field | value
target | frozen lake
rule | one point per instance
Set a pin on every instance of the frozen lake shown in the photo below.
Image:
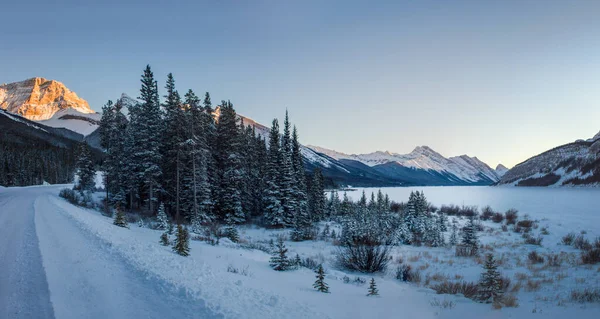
(567, 209)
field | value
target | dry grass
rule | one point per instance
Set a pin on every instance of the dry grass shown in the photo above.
(533, 285)
(439, 277)
(520, 276)
(516, 287)
(586, 295)
(424, 266)
(467, 289)
(444, 304)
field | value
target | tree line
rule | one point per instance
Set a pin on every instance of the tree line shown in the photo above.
(204, 164)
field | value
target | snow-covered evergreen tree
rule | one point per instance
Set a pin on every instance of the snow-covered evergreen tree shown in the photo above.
(271, 200)
(145, 131)
(453, 235)
(469, 238)
(320, 284)
(346, 206)
(229, 205)
(164, 239)
(161, 218)
(286, 176)
(490, 284)
(181, 245)
(119, 218)
(279, 260)
(303, 219)
(318, 198)
(85, 170)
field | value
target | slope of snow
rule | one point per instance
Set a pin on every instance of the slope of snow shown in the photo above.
(463, 167)
(75, 121)
(501, 170)
(19, 119)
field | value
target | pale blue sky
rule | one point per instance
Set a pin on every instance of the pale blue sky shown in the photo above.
(501, 80)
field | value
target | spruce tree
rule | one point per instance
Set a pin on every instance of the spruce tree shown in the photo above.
(286, 176)
(119, 218)
(161, 218)
(318, 194)
(469, 238)
(145, 131)
(181, 245)
(490, 285)
(320, 284)
(85, 170)
(373, 291)
(303, 219)
(272, 196)
(454, 235)
(279, 261)
(229, 165)
(164, 239)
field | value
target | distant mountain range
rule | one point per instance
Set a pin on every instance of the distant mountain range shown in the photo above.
(572, 164)
(46, 109)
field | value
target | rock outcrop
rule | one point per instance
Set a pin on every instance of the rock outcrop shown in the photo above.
(38, 99)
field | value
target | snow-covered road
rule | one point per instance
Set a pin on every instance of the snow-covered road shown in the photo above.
(51, 268)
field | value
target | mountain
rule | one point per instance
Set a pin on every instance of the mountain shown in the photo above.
(501, 170)
(576, 163)
(422, 166)
(39, 99)
(71, 119)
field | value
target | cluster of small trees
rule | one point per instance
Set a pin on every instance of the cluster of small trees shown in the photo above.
(204, 164)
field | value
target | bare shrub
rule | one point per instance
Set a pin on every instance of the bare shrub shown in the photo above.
(582, 243)
(244, 271)
(511, 216)
(591, 256)
(504, 228)
(467, 289)
(445, 304)
(309, 263)
(535, 258)
(508, 301)
(530, 240)
(486, 213)
(553, 260)
(407, 274)
(586, 295)
(568, 239)
(533, 285)
(498, 218)
(526, 225)
(544, 231)
(363, 257)
(465, 251)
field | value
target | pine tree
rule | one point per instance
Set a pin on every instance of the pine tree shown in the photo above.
(346, 206)
(320, 284)
(318, 194)
(373, 291)
(164, 239)
(303, 219)
(454, 235)
(469, 238)
(197, 189)
(181, 245)
(85, 170)
(119, 219)
(271, 200)
(286, 176)
(145, 130)
(490, 285)
(161, 218)
(279, 260)
(230, 166)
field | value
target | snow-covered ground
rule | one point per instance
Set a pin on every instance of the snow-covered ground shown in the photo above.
(94, 269)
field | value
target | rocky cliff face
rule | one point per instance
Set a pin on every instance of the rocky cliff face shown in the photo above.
(38, 99)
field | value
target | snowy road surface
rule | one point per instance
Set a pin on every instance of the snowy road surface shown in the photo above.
(51, 268)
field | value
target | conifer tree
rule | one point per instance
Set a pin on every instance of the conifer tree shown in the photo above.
(454, 236)
(346, 205)
(286, 176)
(119, 219)
(469, 238)
(85, 170)
(181, 245)
(363, 200)
(373, 291)
(145, 131)
(320, 284)
(271, 200)
(279, 260)
(229, 205)
(303, 218)
(197, 189)
(490, 285)
(164, 239)
(318, 194)
(161, 218)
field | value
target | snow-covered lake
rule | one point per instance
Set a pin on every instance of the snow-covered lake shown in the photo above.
(572, 209)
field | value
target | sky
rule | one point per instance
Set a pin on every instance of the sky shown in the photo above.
(500, 80)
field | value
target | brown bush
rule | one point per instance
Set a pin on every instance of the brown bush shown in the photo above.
(498, 218)
(465, 251)
(467, 289)
(568, 239)
(535, 258)
(511, 216)
(586, 295)
(591, 256)
(486, 213)
(582, 243)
